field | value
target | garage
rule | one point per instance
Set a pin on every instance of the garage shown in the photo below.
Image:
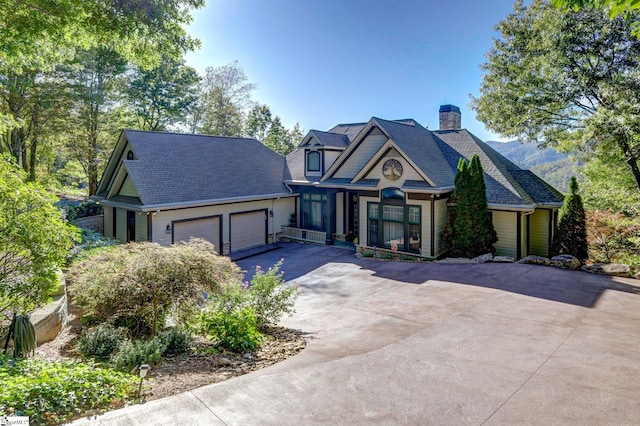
(248, 229)
(207, 228)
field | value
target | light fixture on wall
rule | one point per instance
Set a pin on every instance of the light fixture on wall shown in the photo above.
(270, 213)
(168, 228)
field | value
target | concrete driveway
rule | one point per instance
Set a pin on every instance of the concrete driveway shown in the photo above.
(408, 343)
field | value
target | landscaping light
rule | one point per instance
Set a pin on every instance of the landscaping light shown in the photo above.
(144, 369)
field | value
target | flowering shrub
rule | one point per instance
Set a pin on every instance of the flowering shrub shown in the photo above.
(268, 295)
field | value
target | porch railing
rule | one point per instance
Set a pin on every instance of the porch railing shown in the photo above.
(307, 235)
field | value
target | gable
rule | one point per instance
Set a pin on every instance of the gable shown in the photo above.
(385, 171)
(360, 155)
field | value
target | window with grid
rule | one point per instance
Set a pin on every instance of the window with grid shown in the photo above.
(414, 227)
(313, 211)
(373, 223)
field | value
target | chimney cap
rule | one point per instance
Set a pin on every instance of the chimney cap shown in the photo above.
(449, 108)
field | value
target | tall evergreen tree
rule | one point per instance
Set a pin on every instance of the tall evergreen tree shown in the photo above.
(469, 231)
(571, 233)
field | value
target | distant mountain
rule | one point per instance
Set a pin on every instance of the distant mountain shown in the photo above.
(550, 165)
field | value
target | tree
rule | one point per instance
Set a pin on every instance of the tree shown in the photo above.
(571, 234)
(225, 97)
(263, 126)
(569, 80)
(92, 80)
(34, 242)
(40, 34)
(161, 97)
(615, 7)
(469, 231)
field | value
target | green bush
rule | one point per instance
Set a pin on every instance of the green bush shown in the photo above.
(90, 241)
(100, 342)
(55, 392)
(132, 354)
(175, 341)
(235, 330)
(269, 297)
(142, 283)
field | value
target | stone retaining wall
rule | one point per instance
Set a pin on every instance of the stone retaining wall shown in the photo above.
(94, 223)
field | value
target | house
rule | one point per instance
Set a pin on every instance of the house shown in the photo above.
(383, 183)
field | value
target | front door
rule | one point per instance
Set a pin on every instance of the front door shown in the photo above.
(131, 226)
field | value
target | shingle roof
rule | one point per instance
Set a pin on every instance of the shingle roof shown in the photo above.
(295, 166)
(349, 129)
(421, 147)
(331, 139)
(180, 168)
(506, 183)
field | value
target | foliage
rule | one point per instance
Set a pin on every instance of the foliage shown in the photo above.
(262, 126)
(89, 243)
(142, 283)
(52, 392)
(101, 341)
(570, 236)
(175, 341)
(225, 96)
(570, 80)
(84, 209)
(23, 333)
(269, 297)
(469, 231)
(235, 330)
(614, 7)
(132, 354)
(161, 97)
(612, 236)
(34, 241)
(609, 186)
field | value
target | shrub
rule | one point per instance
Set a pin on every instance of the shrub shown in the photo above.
(269, 297)
(571, 233)
(84, 209)
(469, 231)
(235, 330)
(132, 354)
(100, 342)
(142, 283)
(54, 392)
(90, 240)
(175, 341)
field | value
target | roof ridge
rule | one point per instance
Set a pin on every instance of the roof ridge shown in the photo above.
(167, 132)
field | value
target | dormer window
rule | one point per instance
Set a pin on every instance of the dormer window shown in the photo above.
(313, 161)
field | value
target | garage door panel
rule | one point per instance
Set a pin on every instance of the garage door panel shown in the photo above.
(205, 228)
(248, 230)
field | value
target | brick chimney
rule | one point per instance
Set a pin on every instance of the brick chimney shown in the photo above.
(450, 117)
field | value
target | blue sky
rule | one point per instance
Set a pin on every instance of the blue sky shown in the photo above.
(321, 63)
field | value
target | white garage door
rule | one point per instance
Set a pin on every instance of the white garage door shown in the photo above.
(248, 229)
(206, 228)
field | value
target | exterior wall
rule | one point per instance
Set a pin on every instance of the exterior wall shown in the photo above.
(539, 230)
(330, 157)
(506, 226)
(141, 226)
(340, 201)
(282, 209)
(128, 188)
(361, 155)
(108, 221)
(440, 221)
(121, 225)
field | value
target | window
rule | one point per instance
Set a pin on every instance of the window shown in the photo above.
(313, 211)
(313, 161)
(393, 226)
(414, 228)
(130, 155)
(392, 194)
(373, 223)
